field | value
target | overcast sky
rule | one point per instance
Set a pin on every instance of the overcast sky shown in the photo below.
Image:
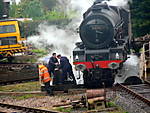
(17, 1)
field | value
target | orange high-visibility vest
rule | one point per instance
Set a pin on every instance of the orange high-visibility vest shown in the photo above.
(44, 74)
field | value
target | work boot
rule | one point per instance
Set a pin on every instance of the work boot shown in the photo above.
(43, 88)
(74, 82)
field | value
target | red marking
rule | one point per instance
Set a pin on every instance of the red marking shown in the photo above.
(102, 64)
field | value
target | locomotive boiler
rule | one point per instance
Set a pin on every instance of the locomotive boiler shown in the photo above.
(105, 35)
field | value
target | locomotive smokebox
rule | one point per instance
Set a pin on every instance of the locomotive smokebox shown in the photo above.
(99, 26)
(105, 44)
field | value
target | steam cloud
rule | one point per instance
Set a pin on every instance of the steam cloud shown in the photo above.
(120, 3)
(59, 40)
(63, 40)
(54, 39)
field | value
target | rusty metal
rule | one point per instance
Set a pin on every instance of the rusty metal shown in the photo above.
(95, 93)
(147, 82)
(96, 99)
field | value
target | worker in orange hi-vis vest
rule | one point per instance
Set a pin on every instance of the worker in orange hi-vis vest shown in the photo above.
(44, 78)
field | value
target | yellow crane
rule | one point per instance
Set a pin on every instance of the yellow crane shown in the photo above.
(11, 41)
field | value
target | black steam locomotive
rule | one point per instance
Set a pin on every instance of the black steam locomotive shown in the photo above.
(105, 35)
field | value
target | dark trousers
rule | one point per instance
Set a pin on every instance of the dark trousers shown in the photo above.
(57, 77)
(48, 88)
(67, 72)
(51, 71)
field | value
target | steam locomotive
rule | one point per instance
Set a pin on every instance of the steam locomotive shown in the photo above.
(105, 34)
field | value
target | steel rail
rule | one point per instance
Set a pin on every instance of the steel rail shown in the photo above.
(136, 95)
(27, 109)
(17, 81)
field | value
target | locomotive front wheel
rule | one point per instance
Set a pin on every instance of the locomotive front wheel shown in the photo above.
(91, 82)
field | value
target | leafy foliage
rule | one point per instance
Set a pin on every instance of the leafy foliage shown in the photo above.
(140, 14)
(54, 15)
(27, 9)
(111, 104)
(40, 53)
(29, 28)
(62, 109)
(56, 10)
(39, 10)
(49, 5)
(51, 11)
(1, 8)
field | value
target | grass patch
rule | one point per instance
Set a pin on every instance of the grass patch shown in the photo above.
(62, 109)
(27, 96)
(111, 104)
(30, 86)
(40, 52)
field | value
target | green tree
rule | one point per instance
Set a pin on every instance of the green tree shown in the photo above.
(140, 13)
(49, 5)
(14, 10)
(1, 8)
(54, 15)
(39, 11)
(31, 9)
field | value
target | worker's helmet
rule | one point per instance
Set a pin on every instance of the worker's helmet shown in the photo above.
(41, 66)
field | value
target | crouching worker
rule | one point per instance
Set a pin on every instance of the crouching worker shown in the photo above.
(66, 69)
(44, 78)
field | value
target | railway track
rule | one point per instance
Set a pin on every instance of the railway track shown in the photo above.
(136, 98)
(17, 73)
(26, 109)
(17, 81)
(141, 92)
(81, 100)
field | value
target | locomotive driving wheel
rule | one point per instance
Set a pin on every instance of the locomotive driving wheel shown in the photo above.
(91, 80)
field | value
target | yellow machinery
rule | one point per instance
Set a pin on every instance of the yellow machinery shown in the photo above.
(145, 62)
(11, 41)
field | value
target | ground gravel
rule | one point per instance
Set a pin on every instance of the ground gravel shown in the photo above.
(42, 102)
(130, 103)
(7, 110)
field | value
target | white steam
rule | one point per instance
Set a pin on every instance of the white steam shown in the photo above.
(81, 5)
(61, 41)
(54, 39)
(120, 3)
